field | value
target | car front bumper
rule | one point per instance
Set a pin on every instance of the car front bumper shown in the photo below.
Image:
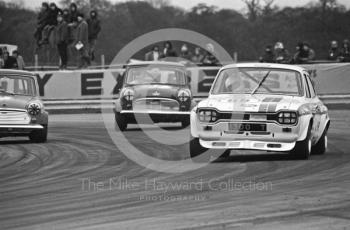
(143, 116)
(17, 130)
(248, 145)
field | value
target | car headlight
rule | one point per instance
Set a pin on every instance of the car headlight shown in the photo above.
(184, 95)
(208, 116)
(287, 118)
(34, 108)
(129, 94)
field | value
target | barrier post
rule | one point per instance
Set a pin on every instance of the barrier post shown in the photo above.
(36, 62)
(103, 61)
(235, 57)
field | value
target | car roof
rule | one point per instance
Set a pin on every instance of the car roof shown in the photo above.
(265, 65)
(16, 72)
(164, 63)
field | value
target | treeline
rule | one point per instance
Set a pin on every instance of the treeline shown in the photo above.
(247, 35)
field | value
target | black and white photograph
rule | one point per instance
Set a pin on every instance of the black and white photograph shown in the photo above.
(174, 114)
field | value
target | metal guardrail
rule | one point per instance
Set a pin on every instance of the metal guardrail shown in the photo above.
(95, 105)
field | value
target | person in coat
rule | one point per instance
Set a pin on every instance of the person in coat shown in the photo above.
(82, 42)
(62, 40)
(94, 30)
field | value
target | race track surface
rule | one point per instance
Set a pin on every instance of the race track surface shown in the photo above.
(63, 184)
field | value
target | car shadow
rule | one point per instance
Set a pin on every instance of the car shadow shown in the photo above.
(137, 129)
(14, 142)
(255, 158)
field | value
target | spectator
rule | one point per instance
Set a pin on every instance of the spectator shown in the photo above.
(168, 50)
(94, 30)
(185, 53)
(51, 23)
(153, 55)
(268, 56)
(9, 61)
(20, 61)
(73, 22)
(282, 55)
(333, 53)
(62, 40)
(197, 58)
(66, 15)
(345, 51)
(73, 13)
(42, 21)
(305, 54)
(82, 42)
(209, 59)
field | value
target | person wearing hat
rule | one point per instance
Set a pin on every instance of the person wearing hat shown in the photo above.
(333, 53)
(282, 55)
(82, 42)
(305, 54)
(345, 51)
(268, 56)
(62, 40)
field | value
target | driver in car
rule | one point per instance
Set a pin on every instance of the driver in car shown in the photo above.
(234, 83)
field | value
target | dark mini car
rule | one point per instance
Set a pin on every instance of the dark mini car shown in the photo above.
(21, 111)
(154, 92)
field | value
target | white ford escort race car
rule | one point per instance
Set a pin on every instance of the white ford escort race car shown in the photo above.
(267, 107)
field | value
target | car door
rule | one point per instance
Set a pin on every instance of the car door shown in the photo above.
(315, 106)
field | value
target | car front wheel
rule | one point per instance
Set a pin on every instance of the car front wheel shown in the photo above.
(121, 121)
(321, 147)
(302, 149)
(39, 136)
(198, 152)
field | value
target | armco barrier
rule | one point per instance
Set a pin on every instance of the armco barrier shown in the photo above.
(330, 79)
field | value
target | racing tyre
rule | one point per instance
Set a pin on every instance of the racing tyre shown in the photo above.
(121, 121)
(321, 147)
(302, 149)
(185, 123)
(198, 152)
(39, 136)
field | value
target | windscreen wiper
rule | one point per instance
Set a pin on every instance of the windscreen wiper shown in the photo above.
(260, 83)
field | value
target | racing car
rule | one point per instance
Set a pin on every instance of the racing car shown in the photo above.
(267, 107)
(21, 111)
(154, 92)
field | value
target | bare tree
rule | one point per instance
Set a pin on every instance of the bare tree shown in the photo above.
(254, 9)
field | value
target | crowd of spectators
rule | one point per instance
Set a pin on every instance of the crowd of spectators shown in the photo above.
(198, 56)
(72, 33)
(14, 61)
(304, 54)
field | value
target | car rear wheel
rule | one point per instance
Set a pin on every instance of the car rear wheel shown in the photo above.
(321, 147)
(302, 149)
(198, 152)
(39, 136)
(121, 121)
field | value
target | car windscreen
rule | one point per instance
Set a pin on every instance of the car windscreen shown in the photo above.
(258, 81)
(17, 85)
(155, 75)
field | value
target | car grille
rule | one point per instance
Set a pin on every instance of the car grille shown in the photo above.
(14, 117)
(158, 104)
(261, 117)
